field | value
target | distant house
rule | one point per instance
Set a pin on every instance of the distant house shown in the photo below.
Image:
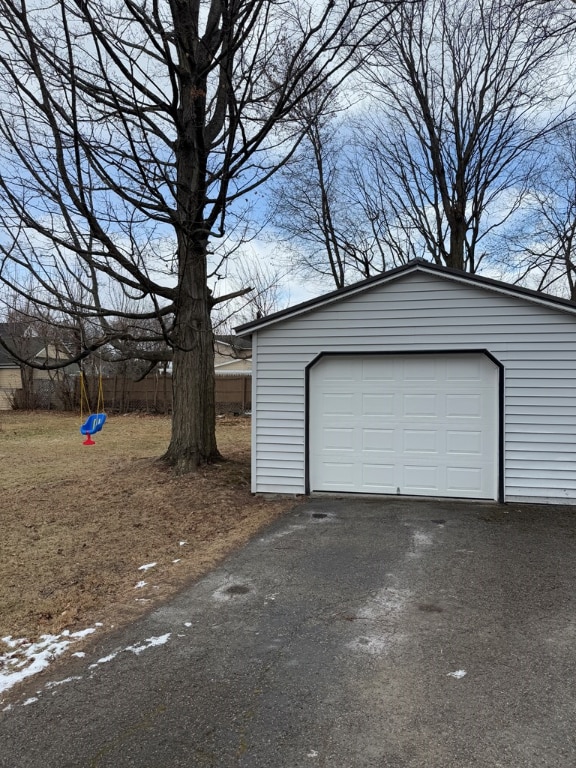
(10, 378)
(16, 378)
(232, 355)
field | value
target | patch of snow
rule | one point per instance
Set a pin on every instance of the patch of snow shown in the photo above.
(137, 649)
(26, 659)
(150, 642)
(79, 654)
(181, 543)
(140, 584)
(458, 674)
(147, 566)
(31, 700)
(56, 683)
(312, 753)
(104, 659)
(177, 560)
(187, 623)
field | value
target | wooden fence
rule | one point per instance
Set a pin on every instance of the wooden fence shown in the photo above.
(154, 394)
(121, 395)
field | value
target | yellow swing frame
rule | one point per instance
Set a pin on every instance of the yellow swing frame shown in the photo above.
(95, 421)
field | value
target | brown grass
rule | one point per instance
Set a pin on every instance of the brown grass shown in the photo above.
(77, 522)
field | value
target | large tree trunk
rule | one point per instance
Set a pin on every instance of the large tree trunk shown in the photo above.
(456, 257)
(193, 441)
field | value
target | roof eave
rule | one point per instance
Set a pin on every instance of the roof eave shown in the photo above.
(417, 265)
(326, 298)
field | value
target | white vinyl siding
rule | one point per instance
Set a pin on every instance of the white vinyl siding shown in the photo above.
(424, 312)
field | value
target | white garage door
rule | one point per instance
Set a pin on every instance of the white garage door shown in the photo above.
(410, 424)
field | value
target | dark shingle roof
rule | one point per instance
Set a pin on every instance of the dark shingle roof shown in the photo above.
(234, 341)
(27, 347)
(6, 360)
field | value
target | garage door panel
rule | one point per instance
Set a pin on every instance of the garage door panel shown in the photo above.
(380, 405)
(379, 478)
(345, 371)
(420, 441)
(338, 439)
(466, 480)
(420, 405)
(424, 425)
(420, 369)
(378, 440)
(419, 478)
(340, 475)
(464, 442)
(337, 404)
(470, 370)
(464, 406)
(372, 370)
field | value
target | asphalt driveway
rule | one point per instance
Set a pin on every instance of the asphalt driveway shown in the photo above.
(350, 634)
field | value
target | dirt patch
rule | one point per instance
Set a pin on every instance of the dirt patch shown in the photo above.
(78, 523)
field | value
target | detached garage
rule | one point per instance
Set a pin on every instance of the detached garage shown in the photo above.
(420, 381)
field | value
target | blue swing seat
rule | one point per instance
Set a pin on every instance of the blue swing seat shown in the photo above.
(93, 424)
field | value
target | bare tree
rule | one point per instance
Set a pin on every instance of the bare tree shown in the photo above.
(545, 258)
(326, 232)
(267, 294)
(129, 131)
(37, 338)
(467, 93)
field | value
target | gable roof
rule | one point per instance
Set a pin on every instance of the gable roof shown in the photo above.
(30, 350)
(233, 341)
(29, 347)
(6, 360)
(15, 329)
(7, 333)
(416, 265)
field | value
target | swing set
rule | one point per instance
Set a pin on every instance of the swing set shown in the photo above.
(95, 421)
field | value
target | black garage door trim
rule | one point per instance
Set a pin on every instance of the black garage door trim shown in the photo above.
(396, 352)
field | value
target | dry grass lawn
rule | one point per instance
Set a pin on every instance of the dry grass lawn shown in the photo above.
(77, 522)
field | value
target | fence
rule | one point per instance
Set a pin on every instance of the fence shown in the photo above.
(233, 394)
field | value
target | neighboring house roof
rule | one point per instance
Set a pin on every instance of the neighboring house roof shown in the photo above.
(15, 330)
(241, 345)
(416, 265)
(29, 347)
(6, 360)
(7, 332)
(243, 365)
